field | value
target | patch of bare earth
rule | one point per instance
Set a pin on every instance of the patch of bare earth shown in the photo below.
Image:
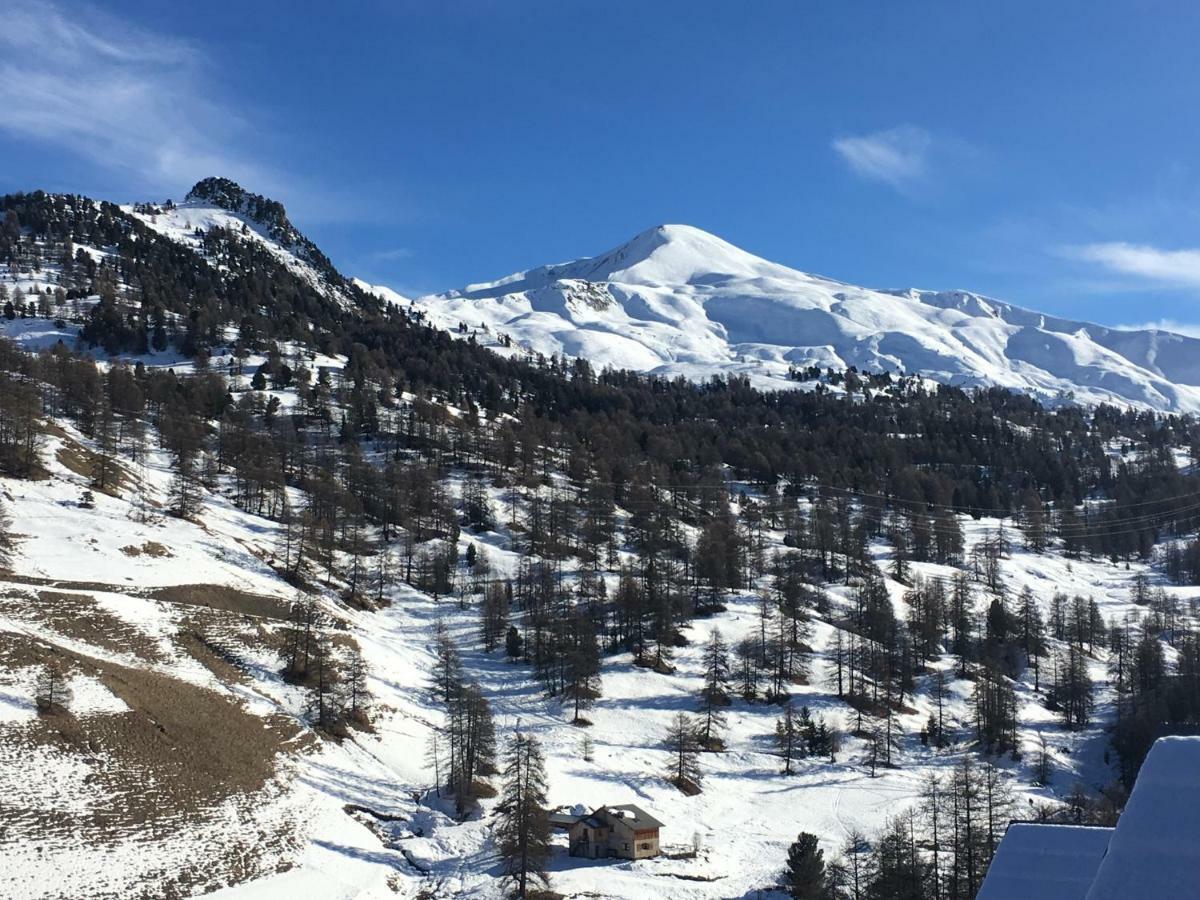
(74, 457)
(180, 757)
(219, 596)
(151, 548)
(186, 774)
(79, 617)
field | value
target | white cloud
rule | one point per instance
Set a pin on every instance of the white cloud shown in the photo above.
(1189, 329)
(394, 254)
(1180, 268)
(898, 156)
(125, 98)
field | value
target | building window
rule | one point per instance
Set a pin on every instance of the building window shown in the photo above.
(626, 846)
(645, 846)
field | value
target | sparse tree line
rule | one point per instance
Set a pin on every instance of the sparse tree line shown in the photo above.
(335, 678)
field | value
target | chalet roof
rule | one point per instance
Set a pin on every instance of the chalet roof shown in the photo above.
(1045, 862)
(1155, 851)
(563, 819)
(633, 816)
(1152, 854)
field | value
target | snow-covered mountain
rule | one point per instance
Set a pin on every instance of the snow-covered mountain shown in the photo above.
(677, 300)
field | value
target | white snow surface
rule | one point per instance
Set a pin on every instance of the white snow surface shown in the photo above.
(677, 300)
(1154, 853)
(1045, 862)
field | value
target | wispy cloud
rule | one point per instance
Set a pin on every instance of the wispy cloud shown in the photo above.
(1190, 329)
(1177, 268)
(124, 97)
(898, 156)
(393, 254)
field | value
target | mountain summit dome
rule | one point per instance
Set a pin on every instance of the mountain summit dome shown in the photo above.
(677, 300)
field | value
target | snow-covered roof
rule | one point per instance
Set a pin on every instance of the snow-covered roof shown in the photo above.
(633, 816)
(1155, 851)
(1045, 862)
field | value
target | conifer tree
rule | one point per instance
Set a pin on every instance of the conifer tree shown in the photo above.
(582, 674)
(355, 691)
(324, 708)
(788, 738)
(7, 543)
(715, 693)
(523, 826)
(804, 876)
(52, 691)
(683, 745)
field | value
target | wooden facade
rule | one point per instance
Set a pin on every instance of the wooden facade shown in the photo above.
(621, 832)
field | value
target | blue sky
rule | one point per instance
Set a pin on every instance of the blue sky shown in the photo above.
(1044, 153)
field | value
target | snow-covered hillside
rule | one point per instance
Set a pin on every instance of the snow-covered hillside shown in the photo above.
(676, 300)
(153, 611)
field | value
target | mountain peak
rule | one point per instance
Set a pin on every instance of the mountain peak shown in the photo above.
(231, 196)
(268, 215)
(674, 254)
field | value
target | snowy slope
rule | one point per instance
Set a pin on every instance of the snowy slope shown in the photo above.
(312, 846)
(185, 223)
(676, 300)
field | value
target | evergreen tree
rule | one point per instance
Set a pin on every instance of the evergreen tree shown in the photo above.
(582, 674)
(52, 690)
(355, 690)
(804, 876)
(7, 543)
(899, 871)
(683, 744)
(512, 642)
(523, 825)
(789, 738)
(324, 708)
(714, 695)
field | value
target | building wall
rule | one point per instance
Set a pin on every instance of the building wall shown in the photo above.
(630, 844)
(645, 844)
(597, 843)
(618, 840)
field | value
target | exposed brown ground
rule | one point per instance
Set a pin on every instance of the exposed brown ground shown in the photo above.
(167, 763)
(219, 596)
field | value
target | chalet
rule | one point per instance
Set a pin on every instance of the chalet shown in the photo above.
(623, 832)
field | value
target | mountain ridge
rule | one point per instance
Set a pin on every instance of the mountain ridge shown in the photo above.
(677, 300)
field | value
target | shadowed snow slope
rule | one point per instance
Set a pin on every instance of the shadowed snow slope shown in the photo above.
(676, 300)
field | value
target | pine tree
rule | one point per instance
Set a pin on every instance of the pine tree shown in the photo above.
(493, 614)
(804, 876)
(52, 691)
(512, 642)
(747, 673)
(788, 738)
(856, 851)
(899, 871)
(104, 463)
(715, 693)
(523, 827)
(7, 543)
(582, 664)
(324, 708)
(447, 672)
(355, 692)
(435, 757)
(683, 745)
